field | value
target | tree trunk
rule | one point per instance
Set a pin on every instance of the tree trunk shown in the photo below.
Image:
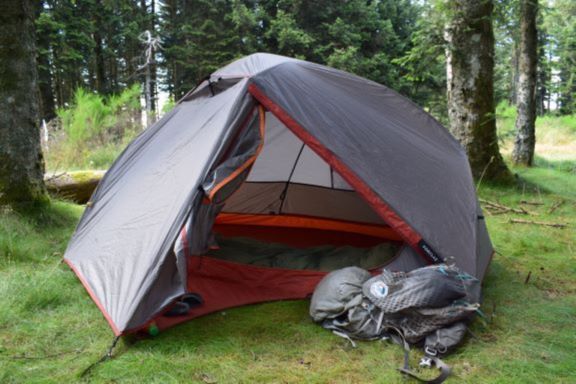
(101, 81)
(148, 24)
(47, 106)
(526, 104)
(514, 74)
(173, 14)
(58, 82)
(153, 91)
(470, 71)
(148, 96)
(100, 76)
(542, 72)
(551, 91)
(21, 162)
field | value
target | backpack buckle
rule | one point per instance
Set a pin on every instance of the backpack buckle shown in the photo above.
(429, 351)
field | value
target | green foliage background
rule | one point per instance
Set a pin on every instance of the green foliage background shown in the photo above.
(94, 130)
(95, 45)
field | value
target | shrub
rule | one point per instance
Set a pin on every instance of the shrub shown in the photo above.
(94, 129)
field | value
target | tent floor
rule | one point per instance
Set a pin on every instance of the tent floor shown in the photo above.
(264, 271)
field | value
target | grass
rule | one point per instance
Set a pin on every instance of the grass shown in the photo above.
(555, 138)
(50, 330)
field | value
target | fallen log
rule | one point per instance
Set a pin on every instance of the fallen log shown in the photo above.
(75, 186)
(554, 225)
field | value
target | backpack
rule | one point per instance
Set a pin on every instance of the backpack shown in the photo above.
(428, 306)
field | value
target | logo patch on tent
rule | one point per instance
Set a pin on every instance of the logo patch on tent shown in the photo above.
(430, 253)
(379, 289)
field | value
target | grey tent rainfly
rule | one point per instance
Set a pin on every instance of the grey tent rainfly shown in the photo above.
(269, 174)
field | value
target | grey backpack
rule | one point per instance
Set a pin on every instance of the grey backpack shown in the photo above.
(426, 306)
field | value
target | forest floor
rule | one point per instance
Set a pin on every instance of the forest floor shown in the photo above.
(50, 330)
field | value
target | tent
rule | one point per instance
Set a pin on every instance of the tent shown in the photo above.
(310, 167)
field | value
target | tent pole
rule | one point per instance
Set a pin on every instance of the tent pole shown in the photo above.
(284, 192)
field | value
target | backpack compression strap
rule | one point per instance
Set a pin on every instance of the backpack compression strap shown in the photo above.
(397, 337)
(445, 370)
